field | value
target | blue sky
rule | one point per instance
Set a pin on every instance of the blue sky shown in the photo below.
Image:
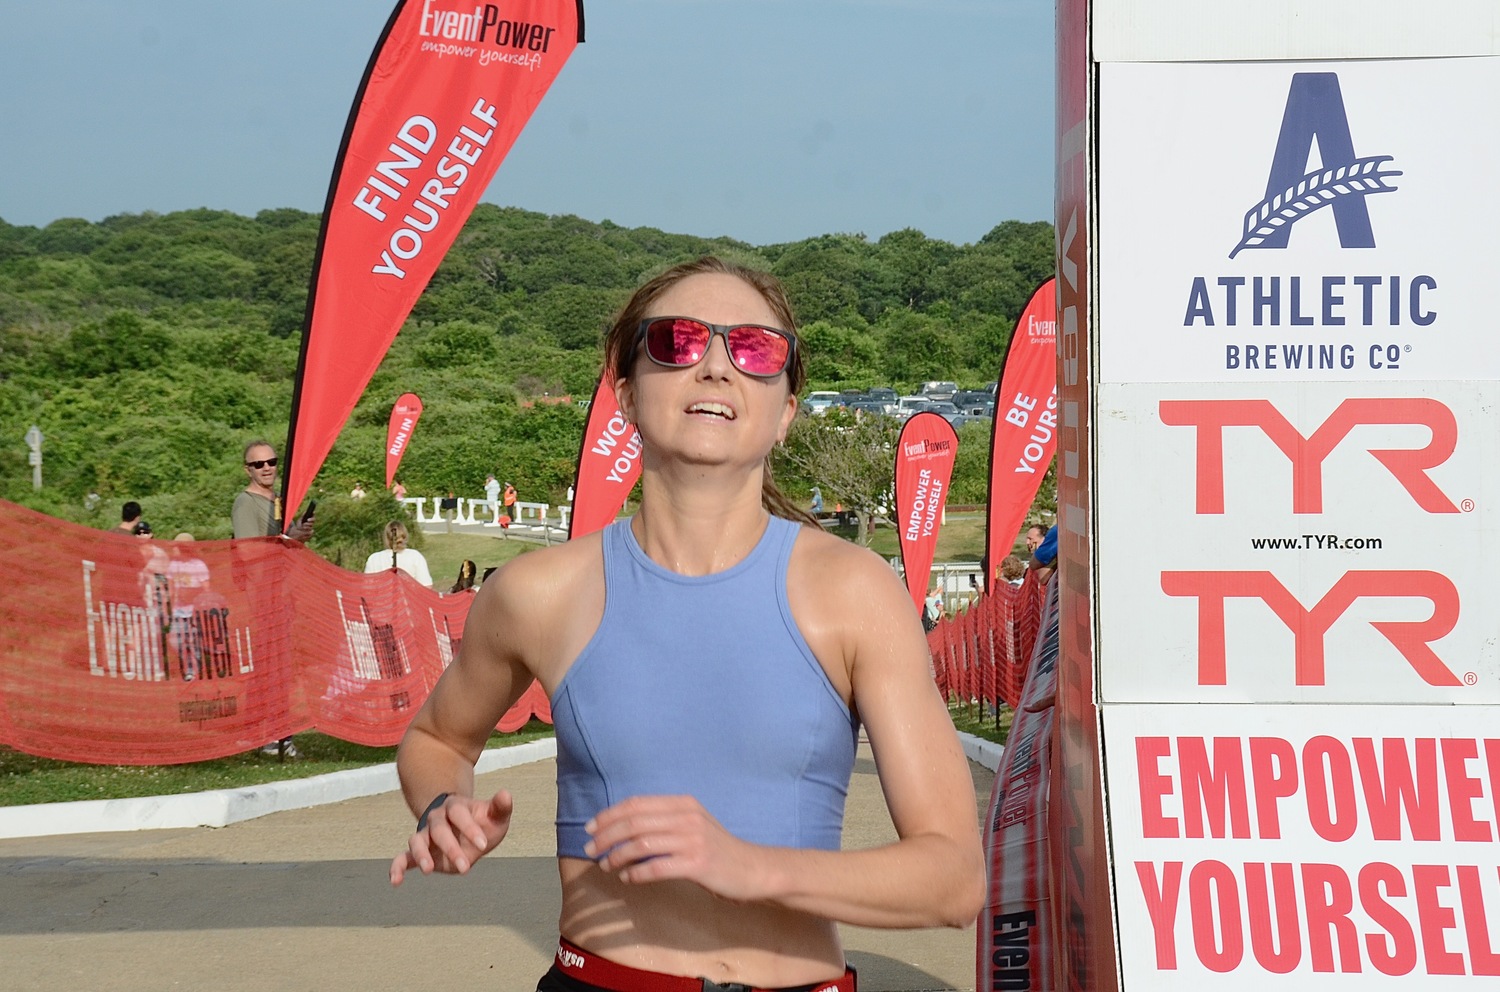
(764, 120)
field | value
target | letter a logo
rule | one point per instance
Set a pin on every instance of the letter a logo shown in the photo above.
(1315, 112)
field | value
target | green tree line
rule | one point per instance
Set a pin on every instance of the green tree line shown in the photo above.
(150, 348)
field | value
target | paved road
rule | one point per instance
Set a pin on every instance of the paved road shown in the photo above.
(299, 900)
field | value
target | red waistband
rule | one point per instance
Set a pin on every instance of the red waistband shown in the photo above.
(588, 967)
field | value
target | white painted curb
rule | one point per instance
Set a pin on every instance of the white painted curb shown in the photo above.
(981, 751)
(226, 806)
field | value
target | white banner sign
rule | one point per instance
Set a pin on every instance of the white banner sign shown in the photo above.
(1319, 848)
(1287, 222)
(1289, 543)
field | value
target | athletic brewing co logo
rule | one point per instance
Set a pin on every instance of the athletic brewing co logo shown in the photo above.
(1315, 110)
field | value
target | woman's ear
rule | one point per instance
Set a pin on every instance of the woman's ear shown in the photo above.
(787, 414)
(625, 397)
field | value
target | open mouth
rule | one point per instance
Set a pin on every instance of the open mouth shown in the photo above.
(718, 410)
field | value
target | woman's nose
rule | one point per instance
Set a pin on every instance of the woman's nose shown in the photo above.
(717, 363)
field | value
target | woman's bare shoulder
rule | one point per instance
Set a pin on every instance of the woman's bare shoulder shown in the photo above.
(824, 553)
(534, 607)
(842, 576)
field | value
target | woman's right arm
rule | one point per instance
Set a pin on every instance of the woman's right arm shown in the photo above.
(445, 738)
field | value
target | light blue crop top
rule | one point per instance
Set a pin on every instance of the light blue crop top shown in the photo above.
(703, 686)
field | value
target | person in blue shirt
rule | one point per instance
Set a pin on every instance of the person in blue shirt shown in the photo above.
(1044, 556)
(708, 708)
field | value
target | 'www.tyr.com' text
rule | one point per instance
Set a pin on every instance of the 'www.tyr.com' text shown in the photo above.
(1316, 542)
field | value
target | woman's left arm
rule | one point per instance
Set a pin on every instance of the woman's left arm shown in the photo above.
(933, 874)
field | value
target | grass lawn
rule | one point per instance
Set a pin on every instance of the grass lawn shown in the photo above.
(961, 538)
(974, 720)
(445, 552)
(25, 779)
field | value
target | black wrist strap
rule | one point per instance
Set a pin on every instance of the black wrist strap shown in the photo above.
(442, 797)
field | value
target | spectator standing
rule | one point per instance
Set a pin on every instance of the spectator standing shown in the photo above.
(398, 490)
(510, 502)
(932, 610)
(398, 555)
(448, 506)
(130, 515)
(358, 492)
(817, 501)
(1012, 569)
(257, 512)
(1044, 557)
(492, 498)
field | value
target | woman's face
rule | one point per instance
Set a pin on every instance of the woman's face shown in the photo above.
(709, 413)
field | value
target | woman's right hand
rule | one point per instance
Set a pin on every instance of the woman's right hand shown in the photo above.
(458, 833)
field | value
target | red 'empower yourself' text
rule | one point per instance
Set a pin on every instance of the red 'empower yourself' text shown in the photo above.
(1351, 793)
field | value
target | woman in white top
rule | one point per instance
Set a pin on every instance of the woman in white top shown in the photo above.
(398, 555)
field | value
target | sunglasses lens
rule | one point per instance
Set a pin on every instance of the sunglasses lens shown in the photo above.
(676, 342)
(758, 350)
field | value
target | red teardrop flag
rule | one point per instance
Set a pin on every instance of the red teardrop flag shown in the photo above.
(924, 465)
(445, 95)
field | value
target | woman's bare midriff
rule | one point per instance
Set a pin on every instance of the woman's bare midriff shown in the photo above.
(678, 928)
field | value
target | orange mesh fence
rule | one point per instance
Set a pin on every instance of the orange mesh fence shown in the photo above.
(981, 653)
(124, 650)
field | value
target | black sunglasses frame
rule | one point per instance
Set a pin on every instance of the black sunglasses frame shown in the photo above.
(723, 331)
(262, 463)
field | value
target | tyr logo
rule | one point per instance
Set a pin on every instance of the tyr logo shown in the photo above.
(1315, 111)
(1412, 638)
(1307, 454)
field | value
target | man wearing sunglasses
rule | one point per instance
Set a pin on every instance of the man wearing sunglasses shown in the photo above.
(256, 513)
(255, 508)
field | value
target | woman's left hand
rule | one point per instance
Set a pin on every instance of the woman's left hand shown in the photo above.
(652, 838)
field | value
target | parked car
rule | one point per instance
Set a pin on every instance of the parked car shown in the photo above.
(968, 397)
(938, 390)
(849, 396)
(869, 406)
(819, 400)
(908, 405)
(887, 397)
(975, 402)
